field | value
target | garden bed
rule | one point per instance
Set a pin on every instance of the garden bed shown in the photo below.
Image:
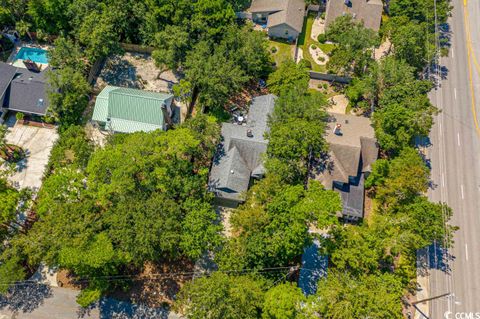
(30, 122)
(306, 43)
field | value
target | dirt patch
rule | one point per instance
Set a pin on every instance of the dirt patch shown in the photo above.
(66, 279)
(241, 101)
(158, 283)
(135, 70)
(383, 50)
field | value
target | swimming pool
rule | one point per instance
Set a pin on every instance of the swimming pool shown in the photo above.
(34, 54)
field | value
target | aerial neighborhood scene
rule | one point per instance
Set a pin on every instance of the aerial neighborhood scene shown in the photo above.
(239, 159)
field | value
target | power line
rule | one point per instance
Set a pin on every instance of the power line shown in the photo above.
(159, 276)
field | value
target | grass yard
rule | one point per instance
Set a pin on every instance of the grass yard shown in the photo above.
(280, 50)
(305, 41)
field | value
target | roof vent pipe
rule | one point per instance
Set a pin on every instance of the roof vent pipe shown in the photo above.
(249, 133)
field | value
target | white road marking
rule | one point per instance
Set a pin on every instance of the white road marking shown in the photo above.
(443, 180)
(453, 53)
(455, 92)
(458, 139)
(461, 188)
(440, 127)
(466, 252)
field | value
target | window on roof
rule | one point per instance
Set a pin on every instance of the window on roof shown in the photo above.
(40, 103)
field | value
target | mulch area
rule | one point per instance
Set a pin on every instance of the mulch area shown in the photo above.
(66, 279)
(242, 100)
(158, 283)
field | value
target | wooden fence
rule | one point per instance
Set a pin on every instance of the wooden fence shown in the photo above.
(330, 77)
(95, 71)
(137, 48)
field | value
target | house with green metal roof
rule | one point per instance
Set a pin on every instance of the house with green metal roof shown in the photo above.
(126, 110)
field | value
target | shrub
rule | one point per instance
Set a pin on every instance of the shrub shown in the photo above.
(322, 38)
(325, 86)
(321, 59)
(19, 116)
(273, 50)
(306, 63)
(323, 15)
(314, 46)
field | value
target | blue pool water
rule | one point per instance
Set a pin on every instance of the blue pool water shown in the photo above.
(34, 54)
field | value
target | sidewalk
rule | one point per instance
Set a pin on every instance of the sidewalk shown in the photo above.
(423, 283)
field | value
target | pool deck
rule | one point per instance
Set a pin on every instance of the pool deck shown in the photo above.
(11, 59)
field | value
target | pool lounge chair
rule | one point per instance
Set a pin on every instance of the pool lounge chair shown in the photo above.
(32, 66)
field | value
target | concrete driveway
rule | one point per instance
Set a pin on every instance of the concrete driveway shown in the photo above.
(37, 143)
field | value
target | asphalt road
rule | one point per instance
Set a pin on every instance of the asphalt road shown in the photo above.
(455, 160)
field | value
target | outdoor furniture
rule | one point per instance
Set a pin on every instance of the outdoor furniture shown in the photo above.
(31, 66)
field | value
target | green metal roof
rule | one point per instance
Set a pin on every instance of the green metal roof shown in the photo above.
(131, 110)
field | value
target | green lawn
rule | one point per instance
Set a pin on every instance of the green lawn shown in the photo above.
(305, 41)
(284, 50)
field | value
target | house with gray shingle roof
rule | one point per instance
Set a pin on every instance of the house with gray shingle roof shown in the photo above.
(352, 151)
(283, 18)
(126, 110)
(368, 11)
(239, 157)
(22, 90)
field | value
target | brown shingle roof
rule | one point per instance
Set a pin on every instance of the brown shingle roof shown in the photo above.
(354, 146)
(290, 12)
(368, 11)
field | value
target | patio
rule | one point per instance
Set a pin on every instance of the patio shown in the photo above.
(37, 143)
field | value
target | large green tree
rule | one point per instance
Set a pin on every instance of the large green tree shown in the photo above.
(221, 296)
(355, 43)
(283, 302)
(271, 228)
(143, 197)
(342, 296)
(67, 95)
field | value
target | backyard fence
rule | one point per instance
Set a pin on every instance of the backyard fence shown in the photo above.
(137, 48)
(314, 7)
(95, 70)
(329, 77)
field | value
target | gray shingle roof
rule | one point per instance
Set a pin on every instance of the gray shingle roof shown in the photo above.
(368, 11)
(239, 156)
(290, 12)
(28, 92)
(7, 73)
(268, 5)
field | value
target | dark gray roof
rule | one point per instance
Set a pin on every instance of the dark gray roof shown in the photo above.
(368, 11)
(290, 12)
(352, 195)
(7, 72)
(240, 156)
(28, 92)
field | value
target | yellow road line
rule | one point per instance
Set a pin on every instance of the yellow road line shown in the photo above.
(470, 54)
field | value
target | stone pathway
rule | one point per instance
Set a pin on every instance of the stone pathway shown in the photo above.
(318, 27)
(383, 49)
